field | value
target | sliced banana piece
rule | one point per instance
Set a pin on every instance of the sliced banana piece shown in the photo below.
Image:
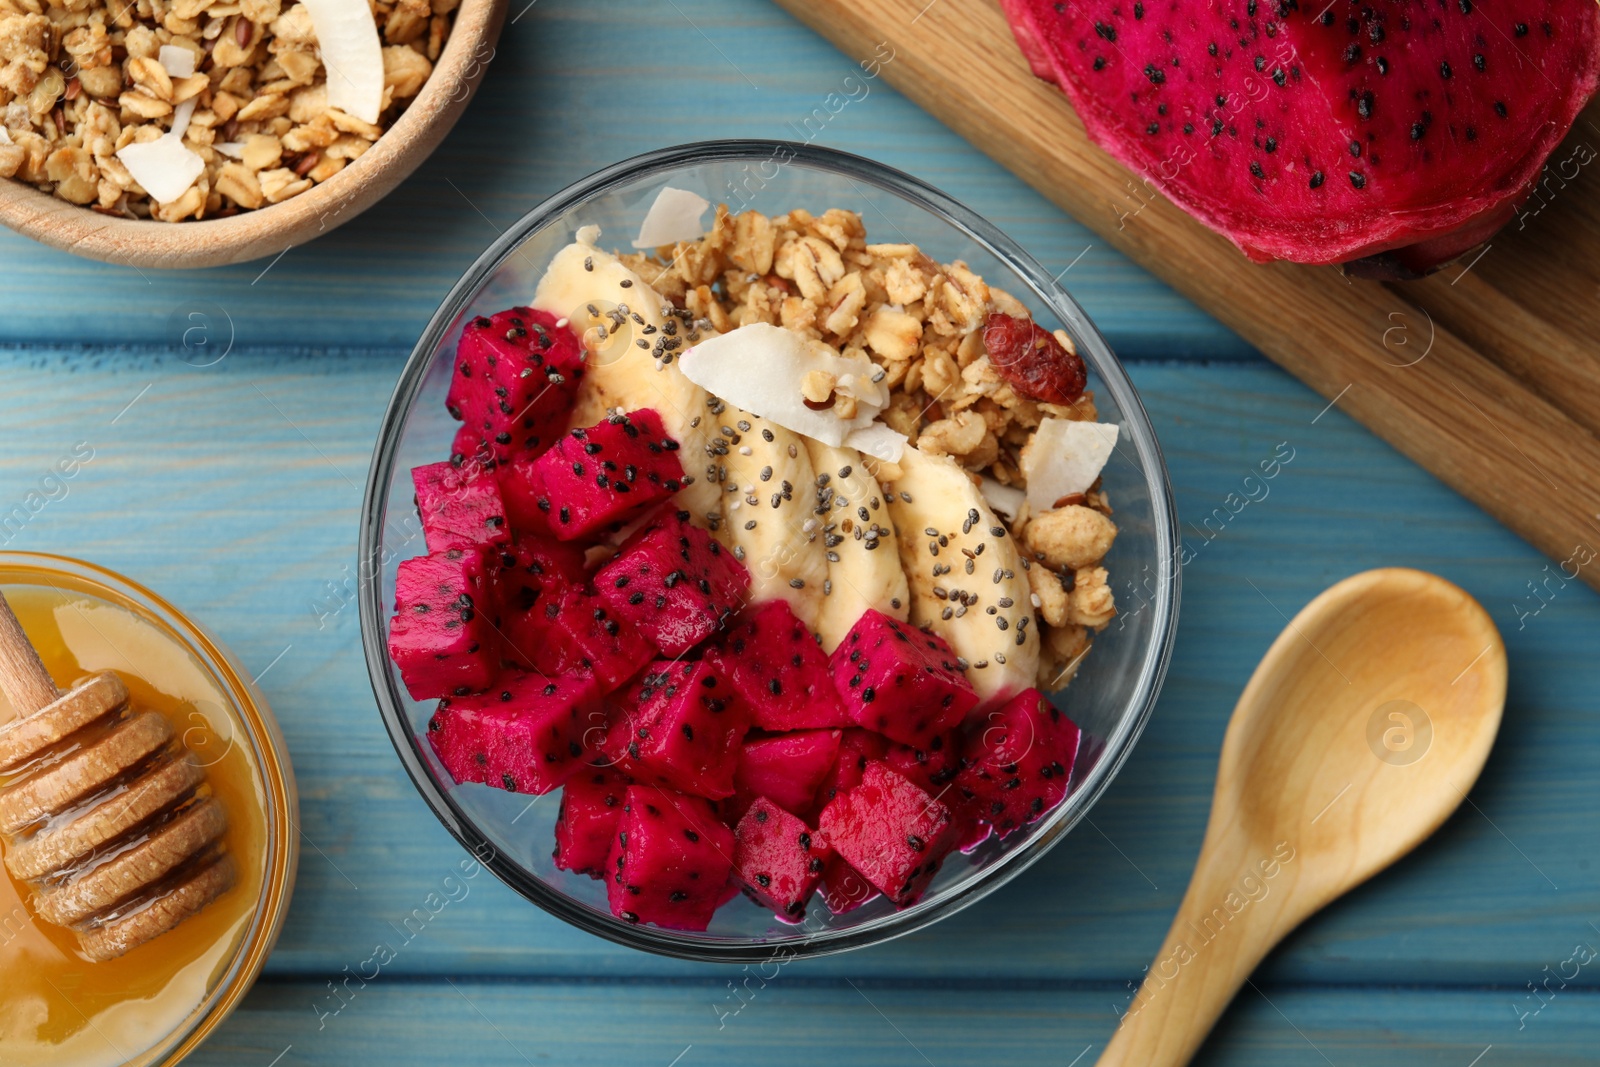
(858, 539)
(768, 496)
(964, 573)
(613, 311)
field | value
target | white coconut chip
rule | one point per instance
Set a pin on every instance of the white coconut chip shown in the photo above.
(176, 60)
(674, 216)
(5, 135)
(347, 36)
(1005, 499)
(231, 149)
(760, 368)
(878, 441)
(1065, 457)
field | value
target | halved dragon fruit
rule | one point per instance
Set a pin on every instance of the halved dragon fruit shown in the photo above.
(524, 735)
(598, 477)
(779, 858)
(439, 636)
(900, 681)
(1408, 131)
(895, 834)
(516, 374)
(670, 861)
(591, 806)
(1018, 765)
(680, 726)
(787, 769)
(674, 584)
(776, 664)
(460, 506)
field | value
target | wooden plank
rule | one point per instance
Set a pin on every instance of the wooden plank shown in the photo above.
(234, 490)
(1457, 412)
(375, 281)
(785, 1020)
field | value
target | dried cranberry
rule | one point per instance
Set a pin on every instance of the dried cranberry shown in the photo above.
(1032, 361)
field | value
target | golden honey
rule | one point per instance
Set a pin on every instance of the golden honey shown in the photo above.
(148, 1006)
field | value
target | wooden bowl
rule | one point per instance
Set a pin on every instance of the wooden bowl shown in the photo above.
(271, 229)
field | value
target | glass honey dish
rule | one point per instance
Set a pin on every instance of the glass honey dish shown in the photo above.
(155, 1004)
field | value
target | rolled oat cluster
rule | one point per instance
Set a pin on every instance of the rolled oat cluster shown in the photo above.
(80, 80)
(923, 323)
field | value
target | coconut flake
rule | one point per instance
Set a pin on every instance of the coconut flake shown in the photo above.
(675, 216)
(760, 368)
(5, 136)
(878, 441)
(176, 60)
(231, 149)
(1065, 457)
(164, 166)
(1005, 499)
(347, 36)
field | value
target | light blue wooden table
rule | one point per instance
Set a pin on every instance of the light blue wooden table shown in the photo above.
(234, 489)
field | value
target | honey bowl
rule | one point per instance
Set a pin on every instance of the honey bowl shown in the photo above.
(156, 1003)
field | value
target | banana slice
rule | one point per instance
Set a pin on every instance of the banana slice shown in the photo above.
(613, 310)
(767, 499)
(965, 577)
(863, 571)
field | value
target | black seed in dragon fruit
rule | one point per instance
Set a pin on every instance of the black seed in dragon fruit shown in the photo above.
(598, 477)
(679, 726)
(1018, 766)
(515, 376)
(439, 636)
(776, 664)
(670, 861)
(460, 506)
(591, 807)
(787, 769)
(895, 834)
(780, 859)
(857, 747)
(530, 573)
(900, 681)
(932, 768)
(585, 634)
(672, 583)
(524, 735)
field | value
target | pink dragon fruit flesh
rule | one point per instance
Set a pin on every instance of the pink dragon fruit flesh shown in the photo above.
(1396, 133)
(459, 505)
(900, 681)
(515, 375)
(779, 859)
(670, 861)
(776, 664)
(680, 726)
(895, 834)
(439, 636)
(530, 574)
(597, 477)
(672, 583)
(787, 769)
(1017, 767)
(591, 805)
(524, 735)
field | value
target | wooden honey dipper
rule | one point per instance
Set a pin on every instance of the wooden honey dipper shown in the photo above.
(104, 814)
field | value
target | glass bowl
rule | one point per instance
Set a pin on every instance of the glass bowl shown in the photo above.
(1111, 698)
(85, 619)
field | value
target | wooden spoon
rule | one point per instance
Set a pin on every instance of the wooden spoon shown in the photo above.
(1359, 733)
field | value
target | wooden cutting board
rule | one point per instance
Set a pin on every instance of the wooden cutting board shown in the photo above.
(1487, 374)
